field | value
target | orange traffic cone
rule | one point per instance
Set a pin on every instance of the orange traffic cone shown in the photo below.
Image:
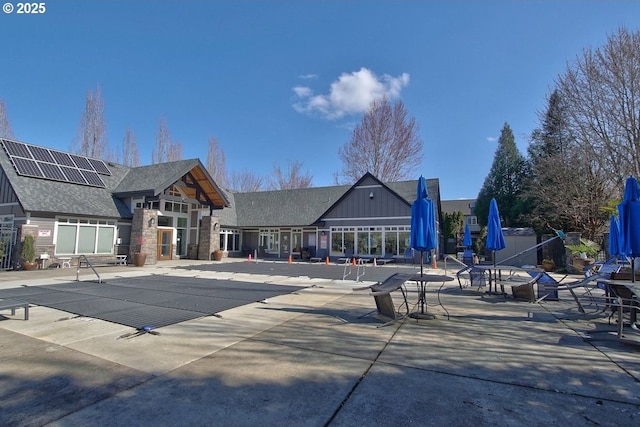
(353, 261)
(290, 259)
(249, 258)
(326, 261)
(434, 264)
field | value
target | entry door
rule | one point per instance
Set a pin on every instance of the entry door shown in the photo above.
(165, 244)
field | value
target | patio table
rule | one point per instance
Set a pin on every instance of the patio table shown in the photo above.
(421, 282)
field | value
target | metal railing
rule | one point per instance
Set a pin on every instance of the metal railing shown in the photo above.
(86, 260)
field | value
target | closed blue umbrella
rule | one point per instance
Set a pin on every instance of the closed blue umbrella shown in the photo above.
(466, 241)
(495, 238)
(629, 213)
(614, 236)
(423, 229)
(423, 220)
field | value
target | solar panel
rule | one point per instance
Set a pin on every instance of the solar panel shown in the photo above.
(16, 149)
(82, 162)
(40, 162)
(63, 159)
(52, 171)
(27, 167)
(100, 167)
(73, 175)
(92, 178)
(41, 154)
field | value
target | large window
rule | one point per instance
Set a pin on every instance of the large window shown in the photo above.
(270, 241)
(376, 241)
(84, 236)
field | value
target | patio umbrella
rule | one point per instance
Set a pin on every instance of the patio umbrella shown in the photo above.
(466, 241)
(423, 228)
(495, 238)
(423, 222)
(614, 237)
(629, 212)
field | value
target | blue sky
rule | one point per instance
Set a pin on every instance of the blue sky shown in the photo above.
(287, 81)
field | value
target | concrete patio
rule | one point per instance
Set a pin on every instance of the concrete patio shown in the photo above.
(316, 357)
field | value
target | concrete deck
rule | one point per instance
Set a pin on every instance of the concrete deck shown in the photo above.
(314, 358)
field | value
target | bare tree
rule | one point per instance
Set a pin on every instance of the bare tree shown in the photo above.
(92, 134)
(174, 151)
(246, 182)
(291, 177)
(216, 163)
(5, 127)
(601, 91)
(130, 154)
(385, 143)
(163, 141)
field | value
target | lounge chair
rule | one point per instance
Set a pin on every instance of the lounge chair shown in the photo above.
(321, 255)
(580, 290)
(388, 257)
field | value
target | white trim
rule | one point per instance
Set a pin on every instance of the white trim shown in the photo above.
(372, 218)
(10, 204)
(368, 186)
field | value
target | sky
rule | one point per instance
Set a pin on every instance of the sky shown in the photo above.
(287, 81)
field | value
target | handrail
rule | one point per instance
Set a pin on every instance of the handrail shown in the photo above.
(454, 259)
(90, 265)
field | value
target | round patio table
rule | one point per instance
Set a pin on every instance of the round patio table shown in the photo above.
(421, 281)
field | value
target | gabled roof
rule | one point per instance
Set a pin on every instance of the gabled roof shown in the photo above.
(304, 206)
(190, 175)
(367, 178)
(283, 208)
(37, 195)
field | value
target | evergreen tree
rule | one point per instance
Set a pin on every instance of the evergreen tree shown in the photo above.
(505, 182)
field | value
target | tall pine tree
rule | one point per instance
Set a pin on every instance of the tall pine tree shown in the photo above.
(505, 182)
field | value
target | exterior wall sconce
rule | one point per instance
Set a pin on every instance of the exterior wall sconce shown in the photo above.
(371, 195)
(152, 222)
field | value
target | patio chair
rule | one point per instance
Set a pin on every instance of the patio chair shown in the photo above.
(408, 256)
(381, 292)
(388, 257)
(321, 255)
(474, 275)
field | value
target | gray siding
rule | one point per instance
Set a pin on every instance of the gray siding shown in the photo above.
(359, 204)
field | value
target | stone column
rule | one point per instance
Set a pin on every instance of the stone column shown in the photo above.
(144, 227)
(209, 237)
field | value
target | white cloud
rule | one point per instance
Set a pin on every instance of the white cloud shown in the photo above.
(351, 93)
(492, 139)
(309, 76)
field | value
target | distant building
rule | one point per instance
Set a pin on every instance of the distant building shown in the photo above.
(76, 206)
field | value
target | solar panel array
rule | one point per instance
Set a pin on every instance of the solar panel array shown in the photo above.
(40, 162)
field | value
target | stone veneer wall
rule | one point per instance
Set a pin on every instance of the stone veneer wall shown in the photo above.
(209, 240)
(140, 228)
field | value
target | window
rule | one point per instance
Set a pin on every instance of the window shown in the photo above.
(472, 220)
(342, 240)
(270, 241)
(230, 240)
(82, 236)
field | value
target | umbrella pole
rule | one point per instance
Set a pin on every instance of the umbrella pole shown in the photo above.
(422, 296)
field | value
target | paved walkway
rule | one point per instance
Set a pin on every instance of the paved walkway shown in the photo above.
(315, 358)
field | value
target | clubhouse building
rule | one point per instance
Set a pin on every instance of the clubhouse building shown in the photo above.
(76, 206)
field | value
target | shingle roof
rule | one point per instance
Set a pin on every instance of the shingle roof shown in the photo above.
(154, 179)
(301, 207)
(47, 196)
(41, 195)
